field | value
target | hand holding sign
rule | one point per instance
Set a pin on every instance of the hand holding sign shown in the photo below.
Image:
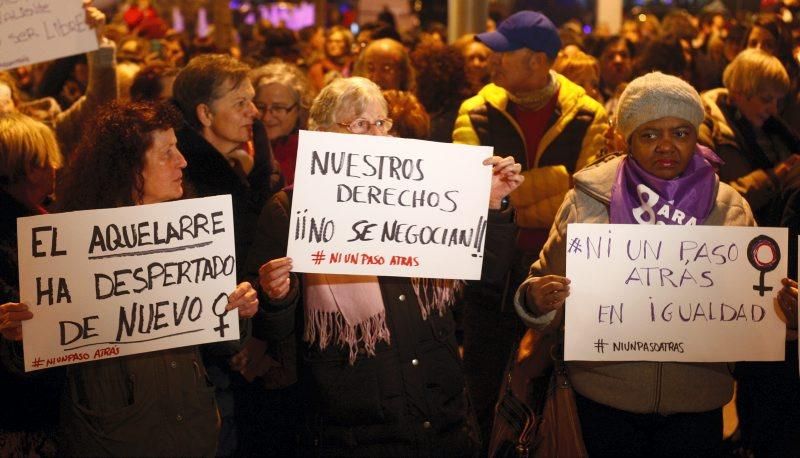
(548, 293)
(244, 299)
(505, 178)
(787, 300)
(12, 314)
(95, 18)
(273, 278)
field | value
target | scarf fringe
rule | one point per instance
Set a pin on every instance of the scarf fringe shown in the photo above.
(435, 295)
(325, 328)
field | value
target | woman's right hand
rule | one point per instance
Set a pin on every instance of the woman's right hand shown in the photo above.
(11, 316)
(548, 293)
(273, 277)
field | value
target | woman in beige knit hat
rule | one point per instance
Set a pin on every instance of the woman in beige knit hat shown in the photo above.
(641, 408)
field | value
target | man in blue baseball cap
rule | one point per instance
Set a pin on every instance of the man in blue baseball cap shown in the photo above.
(554, 129)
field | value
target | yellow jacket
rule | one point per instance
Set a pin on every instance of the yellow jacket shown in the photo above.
(572, 140)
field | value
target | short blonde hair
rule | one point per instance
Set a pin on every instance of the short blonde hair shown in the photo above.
(25, 144)
(754, 71)
(351, 94)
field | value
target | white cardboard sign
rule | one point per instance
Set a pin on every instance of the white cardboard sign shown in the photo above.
(674, 293)
(121, 281)
(34, 31)
(370, 205)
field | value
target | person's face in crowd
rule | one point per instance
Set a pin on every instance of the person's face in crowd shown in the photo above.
(6, 102)
(630, 30)
(228, 121)
(335, 45)
(615, 65)
(172, 52)
(761, 38)
(476, 55)
(589, 80)
(758, 107)
(664, 147)
(362, 40)
(717, 24)
(40, 183)
(383, 64)
(519, 71)
(731, 49)
(162, 173)
(278, 109)
(373, 112)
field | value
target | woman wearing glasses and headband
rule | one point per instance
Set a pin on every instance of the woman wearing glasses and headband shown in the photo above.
(283, 97)
(380, 358)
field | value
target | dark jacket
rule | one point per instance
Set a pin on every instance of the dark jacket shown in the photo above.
(151, 404)
(31, 401)
(748, 167)
(407, 400)
(208, 174)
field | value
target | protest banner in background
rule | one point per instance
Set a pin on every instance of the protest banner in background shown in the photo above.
(121, 281)
(38, 30)
(370, 205)
(674, 293)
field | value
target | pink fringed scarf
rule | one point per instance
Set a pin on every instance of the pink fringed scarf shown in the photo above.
(348, 310)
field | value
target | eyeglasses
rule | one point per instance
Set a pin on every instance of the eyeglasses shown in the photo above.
(362, 126)
(275, 110)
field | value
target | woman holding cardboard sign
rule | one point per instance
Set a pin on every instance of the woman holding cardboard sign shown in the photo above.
(382, 362)
(642, 408)
(157, 403)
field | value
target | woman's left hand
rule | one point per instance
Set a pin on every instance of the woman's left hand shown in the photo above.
(787, 299)
(505, 178)
(95, 19)
(245, 299)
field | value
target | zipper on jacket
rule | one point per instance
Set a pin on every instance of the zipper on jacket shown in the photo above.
(519, 132)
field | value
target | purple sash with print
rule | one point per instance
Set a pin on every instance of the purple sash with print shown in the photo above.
(637, 197)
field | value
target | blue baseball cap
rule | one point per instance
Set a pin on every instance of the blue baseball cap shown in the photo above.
(525, 29)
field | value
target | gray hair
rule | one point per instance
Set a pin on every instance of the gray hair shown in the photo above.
(291, 77)
(351, 94)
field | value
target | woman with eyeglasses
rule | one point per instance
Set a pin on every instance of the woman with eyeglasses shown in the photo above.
(283, 97)
(380, 361)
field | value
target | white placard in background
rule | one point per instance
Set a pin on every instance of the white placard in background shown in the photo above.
(370, 205)
(674, 293)
(121, 281)
(34, 31)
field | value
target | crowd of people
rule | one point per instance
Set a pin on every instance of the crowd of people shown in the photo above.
(338, 365)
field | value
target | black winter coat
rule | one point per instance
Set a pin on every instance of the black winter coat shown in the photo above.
(407, 400)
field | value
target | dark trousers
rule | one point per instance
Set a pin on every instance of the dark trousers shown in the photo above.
(614, 433)
(768, 401)
(491, 333)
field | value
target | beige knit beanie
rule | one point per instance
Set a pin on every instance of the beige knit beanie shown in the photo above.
(655, 96)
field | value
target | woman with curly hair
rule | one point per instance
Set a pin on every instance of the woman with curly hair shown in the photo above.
(157, 403)
(442, 84)
(409, 118)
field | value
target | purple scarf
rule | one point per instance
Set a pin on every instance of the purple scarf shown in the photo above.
(638, 197)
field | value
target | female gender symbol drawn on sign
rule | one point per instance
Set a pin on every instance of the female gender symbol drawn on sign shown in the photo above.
(763, 254)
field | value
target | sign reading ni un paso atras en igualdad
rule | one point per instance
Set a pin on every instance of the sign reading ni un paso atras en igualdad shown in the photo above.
(674, 293)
